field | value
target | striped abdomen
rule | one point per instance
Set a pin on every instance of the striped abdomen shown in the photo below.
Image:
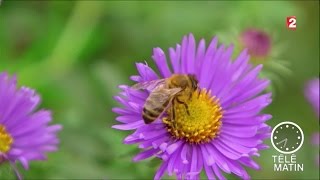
(154, 106)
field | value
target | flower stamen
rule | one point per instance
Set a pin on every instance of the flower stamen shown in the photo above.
(5, 140)
(203, 122)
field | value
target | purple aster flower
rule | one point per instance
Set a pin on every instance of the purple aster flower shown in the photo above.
(223, 128)
(312, 94)
(257, 42)
(24, 132)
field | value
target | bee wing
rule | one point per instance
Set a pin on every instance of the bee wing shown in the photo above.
(173, 92)
(149, 85)
(162, 97)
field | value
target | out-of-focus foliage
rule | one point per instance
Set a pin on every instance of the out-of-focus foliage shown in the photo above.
(75, 53)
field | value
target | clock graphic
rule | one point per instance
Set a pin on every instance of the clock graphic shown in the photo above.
(287, 137)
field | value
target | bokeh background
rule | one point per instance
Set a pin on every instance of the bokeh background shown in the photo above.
(75, 53)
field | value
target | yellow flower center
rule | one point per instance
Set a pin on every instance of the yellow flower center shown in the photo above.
(200, 123)
(5, 140)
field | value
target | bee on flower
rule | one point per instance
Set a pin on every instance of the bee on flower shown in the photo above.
(202, 112)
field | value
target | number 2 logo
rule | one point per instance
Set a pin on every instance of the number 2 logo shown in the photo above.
(291, 22)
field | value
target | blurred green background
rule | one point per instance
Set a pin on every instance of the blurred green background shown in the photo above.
(75, 53)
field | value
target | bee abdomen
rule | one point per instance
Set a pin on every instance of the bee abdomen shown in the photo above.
(150, 115)
(147, 119)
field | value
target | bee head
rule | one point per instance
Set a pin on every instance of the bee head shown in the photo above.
(194, 81)
(184, 81)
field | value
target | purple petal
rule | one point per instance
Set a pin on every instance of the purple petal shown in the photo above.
(173, 147)
(227, 151)
(184, 49)
(194, 161)
(129, 126)
(128, 118)
(122, 111)
(173, 161)
(175, 58)
(24, 162)
(249, 162)
(191, 54)
(160, 59)
(219, 158)
(209, 160)
(217, 172)
(145, 154)
(239, 131)
(246, 142)
(161, 170)
(184, 152)
(209, 172)
(200, 55)
(146, 73)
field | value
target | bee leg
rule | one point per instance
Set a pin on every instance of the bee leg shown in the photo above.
(190, 95)
(173, 115)
(185, 105)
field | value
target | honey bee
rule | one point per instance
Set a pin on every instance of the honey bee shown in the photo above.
(164, 93)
